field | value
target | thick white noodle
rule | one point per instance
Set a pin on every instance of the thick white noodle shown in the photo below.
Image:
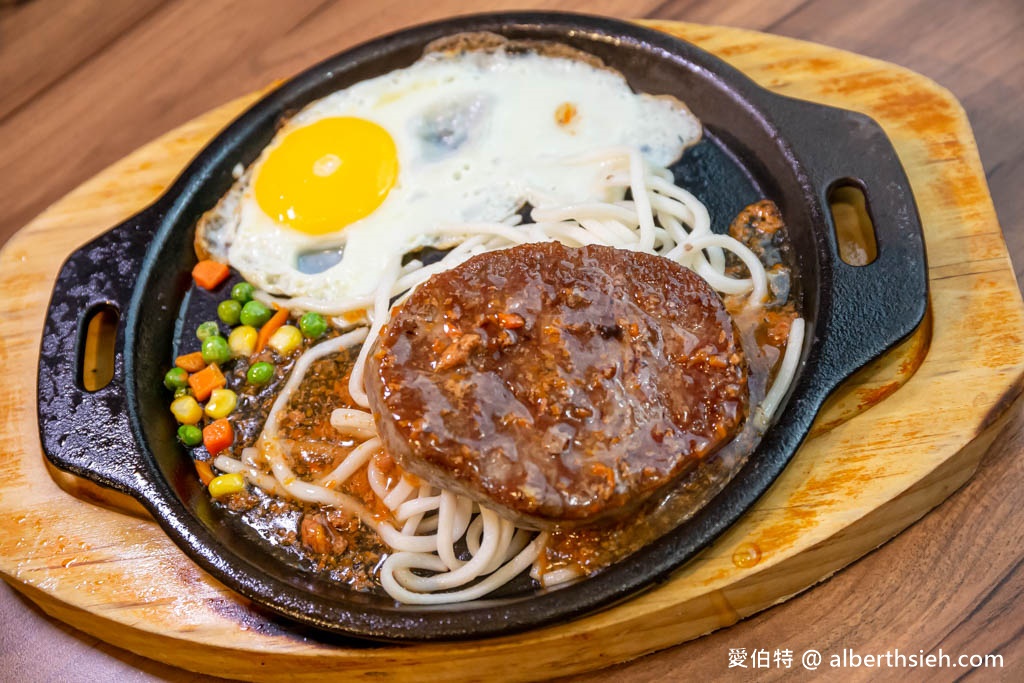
(399, 494)
(378, 480)
(355, 460)
(760, 279)
(606, 232)
(460, 573)
(355, 423)
(406, 561)
(251, 457)
(638, 184)
(446, 512)
(578, 212)
(784, 377)
(226, 463)
(556, 577)
(420, 505)
(381, 308)
(401, 541)
(428, 523)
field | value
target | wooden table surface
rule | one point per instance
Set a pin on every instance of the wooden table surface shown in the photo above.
(84, 82)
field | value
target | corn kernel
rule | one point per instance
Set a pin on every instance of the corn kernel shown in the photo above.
(186, 410)
(226, 484)
(285, 340)
(242, 341)
(221, 404)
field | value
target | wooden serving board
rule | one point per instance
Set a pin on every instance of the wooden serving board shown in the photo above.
(895, 441)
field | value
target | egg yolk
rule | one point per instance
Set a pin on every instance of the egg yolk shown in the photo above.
(323, 176)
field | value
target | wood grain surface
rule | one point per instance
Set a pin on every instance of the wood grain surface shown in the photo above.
(108, 82)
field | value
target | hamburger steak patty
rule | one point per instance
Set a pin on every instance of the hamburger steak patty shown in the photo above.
(558, 386)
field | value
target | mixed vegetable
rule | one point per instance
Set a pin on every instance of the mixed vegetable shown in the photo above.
(202, 403)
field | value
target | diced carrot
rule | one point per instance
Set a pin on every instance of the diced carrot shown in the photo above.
(208, 273)
(205, 473)
(205, 381)
(191, 362)
(279, 318)
(218, 435)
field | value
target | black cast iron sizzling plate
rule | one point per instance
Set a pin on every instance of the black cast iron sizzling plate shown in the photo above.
(757, 144)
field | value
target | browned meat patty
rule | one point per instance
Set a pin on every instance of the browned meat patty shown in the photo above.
(558, 386)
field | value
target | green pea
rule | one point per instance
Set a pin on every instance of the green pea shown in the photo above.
(312, 325)
(176, 378)
(190, 435)
(255, 314)
(242, 292)
(182, 391)
(229, 312)
(260, 373)
(208, 329)
(216, 350)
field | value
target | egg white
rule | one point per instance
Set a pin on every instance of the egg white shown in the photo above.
(477, 137)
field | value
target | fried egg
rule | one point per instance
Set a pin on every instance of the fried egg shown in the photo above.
(367, 173)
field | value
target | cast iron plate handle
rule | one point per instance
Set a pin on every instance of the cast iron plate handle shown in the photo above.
(868, 306)
(88, 432)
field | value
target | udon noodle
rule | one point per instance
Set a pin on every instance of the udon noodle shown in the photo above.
(429, 526)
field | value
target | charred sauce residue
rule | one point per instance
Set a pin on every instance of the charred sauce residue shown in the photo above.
(322, 540)
(329, 542)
